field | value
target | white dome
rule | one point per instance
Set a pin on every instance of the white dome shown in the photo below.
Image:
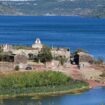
(37, 44)
(37, 41)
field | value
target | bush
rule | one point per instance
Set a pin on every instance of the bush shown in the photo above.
(103, 74)
(17, 68)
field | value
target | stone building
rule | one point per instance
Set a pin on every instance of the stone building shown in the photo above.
(61, 52)
(20, 59)
(26, 52)
(7, 48)
(83, 59)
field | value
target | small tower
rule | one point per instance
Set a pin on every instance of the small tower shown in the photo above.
(37, 44)
(7, 48)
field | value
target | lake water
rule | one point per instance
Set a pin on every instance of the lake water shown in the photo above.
(95, 96)
(73, 32)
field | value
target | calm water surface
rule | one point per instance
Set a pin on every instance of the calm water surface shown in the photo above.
(72, 32)
(92, 97)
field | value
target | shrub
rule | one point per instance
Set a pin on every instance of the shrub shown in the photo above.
(17, 68)
(103, 74)
(31, 82)
(35, 79)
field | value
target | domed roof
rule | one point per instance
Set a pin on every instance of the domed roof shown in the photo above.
(37, 44)
(37, 41)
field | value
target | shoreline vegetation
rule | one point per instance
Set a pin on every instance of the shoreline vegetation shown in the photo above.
(39, 84)
(45, 94)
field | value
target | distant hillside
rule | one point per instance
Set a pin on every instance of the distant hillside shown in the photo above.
(94, 8)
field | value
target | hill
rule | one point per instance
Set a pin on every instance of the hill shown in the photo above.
(94, 8)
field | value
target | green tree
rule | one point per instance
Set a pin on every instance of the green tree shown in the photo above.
(45, 54)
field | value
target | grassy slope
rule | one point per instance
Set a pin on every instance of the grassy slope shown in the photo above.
(33, 83)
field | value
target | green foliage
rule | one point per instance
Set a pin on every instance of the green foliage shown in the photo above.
(45, 54)
(36, 59)
(45, 81)
(33, 79)
(17, 68)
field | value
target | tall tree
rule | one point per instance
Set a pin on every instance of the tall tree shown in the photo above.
(45, 54)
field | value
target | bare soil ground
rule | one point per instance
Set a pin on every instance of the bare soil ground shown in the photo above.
(89, 74)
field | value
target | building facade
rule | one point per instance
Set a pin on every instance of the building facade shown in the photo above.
(35, 49)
